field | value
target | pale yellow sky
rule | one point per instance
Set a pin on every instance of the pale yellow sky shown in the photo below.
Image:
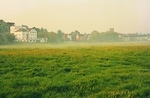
(126, 16)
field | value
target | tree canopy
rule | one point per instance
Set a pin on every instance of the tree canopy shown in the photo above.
(107, 36)
(4, 27)
(60, 35)
(5, 36)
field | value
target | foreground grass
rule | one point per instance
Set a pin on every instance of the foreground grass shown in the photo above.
(91, 71)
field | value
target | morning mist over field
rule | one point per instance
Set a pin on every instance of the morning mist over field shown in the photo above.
(126, 16)
(74, 49)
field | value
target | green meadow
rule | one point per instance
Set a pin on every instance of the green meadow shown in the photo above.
(75, 70)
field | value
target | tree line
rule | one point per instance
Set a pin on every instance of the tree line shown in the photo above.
(52, 37)
(95, 36)
(59, 36)
(108, 36)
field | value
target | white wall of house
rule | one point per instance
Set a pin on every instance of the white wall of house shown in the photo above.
(32, 35)
(12, 30)
(24, 34)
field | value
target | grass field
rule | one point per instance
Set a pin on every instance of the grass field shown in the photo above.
(102, 70)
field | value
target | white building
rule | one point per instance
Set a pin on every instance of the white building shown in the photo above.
(23, 33)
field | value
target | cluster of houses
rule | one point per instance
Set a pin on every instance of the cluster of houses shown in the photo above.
(135, 37)
(76, 37)
(25, 34)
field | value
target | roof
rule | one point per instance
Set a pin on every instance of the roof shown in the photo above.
(21, 30)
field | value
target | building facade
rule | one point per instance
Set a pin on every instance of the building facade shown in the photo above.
(24, 34)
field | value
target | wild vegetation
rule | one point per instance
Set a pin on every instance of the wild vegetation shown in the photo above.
(5, 36)
(90, 71)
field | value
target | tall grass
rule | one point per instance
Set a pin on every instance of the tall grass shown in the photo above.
(111, 71)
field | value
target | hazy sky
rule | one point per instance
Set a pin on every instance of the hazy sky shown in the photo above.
(126, 16)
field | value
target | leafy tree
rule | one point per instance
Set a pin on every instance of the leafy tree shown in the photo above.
(9, 37)
(41, 32)
(74, 34)
(1, 39)
(52, 37)
(109, 36)
(6, 38)
(60, 35)
(4, 27)
(37, 29)
(95, 36)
